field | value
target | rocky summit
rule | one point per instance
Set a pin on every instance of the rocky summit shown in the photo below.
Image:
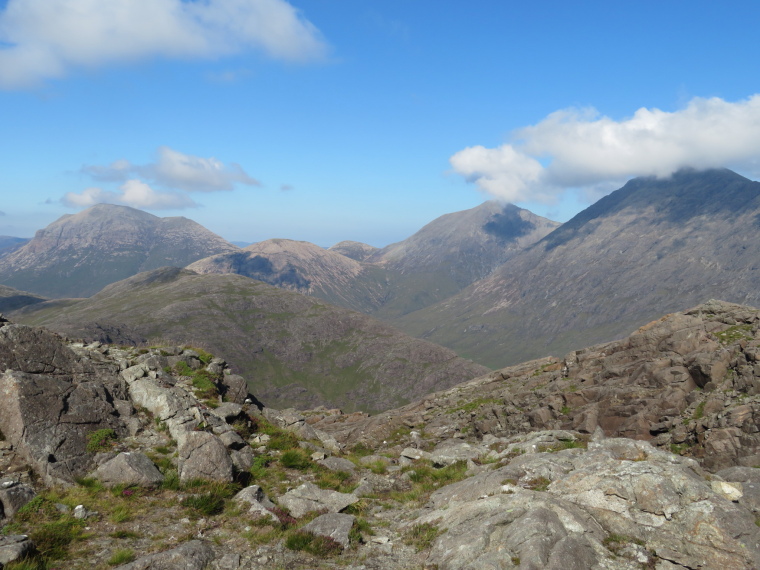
(640, 453)
(77, 255)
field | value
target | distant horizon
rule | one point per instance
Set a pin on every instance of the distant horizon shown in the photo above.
(245, 243)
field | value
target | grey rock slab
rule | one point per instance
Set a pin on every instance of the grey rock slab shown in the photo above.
(332, 525)
(257, 502)
(48, 419)
(13, 496)
(337, 464)
(308, 497)
(235, 388)
(14, 547)
(449, 453)
(243, 458)
(203, 456)
(192, 555)
(227, 411)
(129, 468)
(539, 529)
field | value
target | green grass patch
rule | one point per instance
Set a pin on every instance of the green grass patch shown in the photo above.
(295, 459)
(101, 440)
(734, 334)
(121, 556)
(322, 546)
(538, 484)
(699, 412)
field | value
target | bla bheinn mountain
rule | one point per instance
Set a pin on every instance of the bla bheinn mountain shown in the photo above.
(293, 349)
(306, 268)
(77, 255)
(653, 247)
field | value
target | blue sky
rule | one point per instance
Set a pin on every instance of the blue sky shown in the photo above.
(325, 120)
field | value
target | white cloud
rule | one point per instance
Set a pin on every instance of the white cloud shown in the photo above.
(174, 169)
(43, 39)
(132, 193)
(580, 149)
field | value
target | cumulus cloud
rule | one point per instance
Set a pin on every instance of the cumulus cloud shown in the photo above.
(43, 39)
(580, 149)
(174, 169)
(132, 193)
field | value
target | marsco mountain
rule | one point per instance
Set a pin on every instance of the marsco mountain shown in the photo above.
(632, 454)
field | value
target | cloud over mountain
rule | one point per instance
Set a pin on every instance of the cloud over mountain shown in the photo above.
(172, 169)
(575, 148)
(44, 39)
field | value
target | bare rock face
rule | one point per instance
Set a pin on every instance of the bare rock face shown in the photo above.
(332, 525)
(202, 455)
(308, 497)
(616, 503)
(51, 400)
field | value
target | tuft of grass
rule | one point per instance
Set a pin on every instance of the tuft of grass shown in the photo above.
(101, 440)
(295, 459)
(120, 514)
(699, 412)
(313, 544)
(121, 556)
(421, 536)
(206, 504)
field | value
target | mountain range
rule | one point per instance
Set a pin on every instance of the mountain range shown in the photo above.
(496, 283)
(652, 247)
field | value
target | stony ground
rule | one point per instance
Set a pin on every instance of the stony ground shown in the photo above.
(158, 458)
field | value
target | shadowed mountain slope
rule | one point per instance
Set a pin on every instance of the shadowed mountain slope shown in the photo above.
(9, 244)
(306, 268)
(12, 299)
(453, 251)
(293, 349)
(654, 246)
(77, 255)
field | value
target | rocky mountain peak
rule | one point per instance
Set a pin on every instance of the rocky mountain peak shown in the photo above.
(79, 254)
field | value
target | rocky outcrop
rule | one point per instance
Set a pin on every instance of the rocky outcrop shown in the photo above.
(129, 468)
(689, 382)
(308, 497)
(193, 555)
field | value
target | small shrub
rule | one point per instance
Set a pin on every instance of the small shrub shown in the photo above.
(313, 544)
(538, 484)
(101, 440)
(122, 556)
(286, 520)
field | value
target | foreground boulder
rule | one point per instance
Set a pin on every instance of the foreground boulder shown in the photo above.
(127, 469)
